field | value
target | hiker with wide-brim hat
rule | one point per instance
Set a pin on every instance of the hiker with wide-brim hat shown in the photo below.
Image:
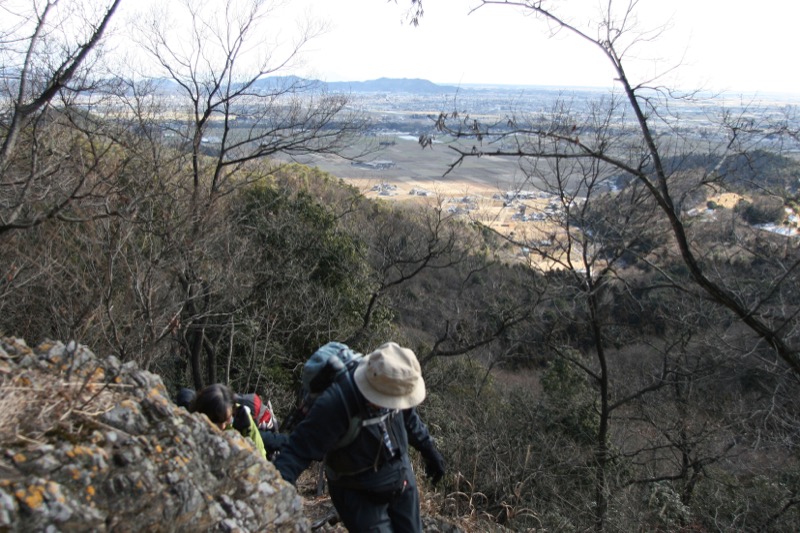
(371, 480)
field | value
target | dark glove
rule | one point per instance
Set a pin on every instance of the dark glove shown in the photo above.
(241, 419)
(434, 462)
(273, 441)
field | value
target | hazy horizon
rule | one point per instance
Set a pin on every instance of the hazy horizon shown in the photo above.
(714, 46)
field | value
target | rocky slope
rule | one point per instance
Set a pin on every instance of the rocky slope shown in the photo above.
(94, 445)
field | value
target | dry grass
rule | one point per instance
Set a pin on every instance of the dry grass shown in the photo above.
(35, 403)
(435, 506)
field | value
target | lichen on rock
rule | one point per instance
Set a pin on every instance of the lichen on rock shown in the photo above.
(91, 444)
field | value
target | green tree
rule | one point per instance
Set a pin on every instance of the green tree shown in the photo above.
(307, 277)
(236, 121)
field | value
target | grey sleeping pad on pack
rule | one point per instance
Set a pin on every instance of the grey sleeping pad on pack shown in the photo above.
(325, 365)
(319, 371)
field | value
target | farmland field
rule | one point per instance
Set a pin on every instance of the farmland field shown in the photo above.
(418, 175)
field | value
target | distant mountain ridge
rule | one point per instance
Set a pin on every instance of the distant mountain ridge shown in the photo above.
(392, 85)
(385, 85)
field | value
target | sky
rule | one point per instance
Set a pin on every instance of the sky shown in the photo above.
(730, 46)
(721, 45)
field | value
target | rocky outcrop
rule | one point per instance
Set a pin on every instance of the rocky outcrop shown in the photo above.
(91, 444)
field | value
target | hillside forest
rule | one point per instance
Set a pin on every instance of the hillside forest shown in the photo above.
(637, 371)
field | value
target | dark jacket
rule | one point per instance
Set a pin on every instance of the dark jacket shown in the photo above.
(328, 421)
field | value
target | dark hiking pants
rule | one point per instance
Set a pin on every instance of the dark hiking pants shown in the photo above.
(367, 511)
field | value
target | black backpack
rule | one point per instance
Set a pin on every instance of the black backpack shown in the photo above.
(333, 362)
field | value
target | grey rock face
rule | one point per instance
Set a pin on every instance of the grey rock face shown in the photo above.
(93, 445)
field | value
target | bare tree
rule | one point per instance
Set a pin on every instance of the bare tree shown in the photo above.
(645, 156)
(233, 104)
(63, 159)
(47, 50)
(640, 145)
(235, 121)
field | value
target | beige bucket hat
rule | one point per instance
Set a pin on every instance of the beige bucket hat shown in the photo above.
(391, 377)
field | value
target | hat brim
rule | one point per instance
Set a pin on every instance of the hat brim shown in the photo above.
(406, 401)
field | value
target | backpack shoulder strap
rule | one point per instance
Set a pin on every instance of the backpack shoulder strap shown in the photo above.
(356, 411)
(355, 408)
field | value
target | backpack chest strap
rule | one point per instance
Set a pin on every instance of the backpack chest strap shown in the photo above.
(378, 419)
